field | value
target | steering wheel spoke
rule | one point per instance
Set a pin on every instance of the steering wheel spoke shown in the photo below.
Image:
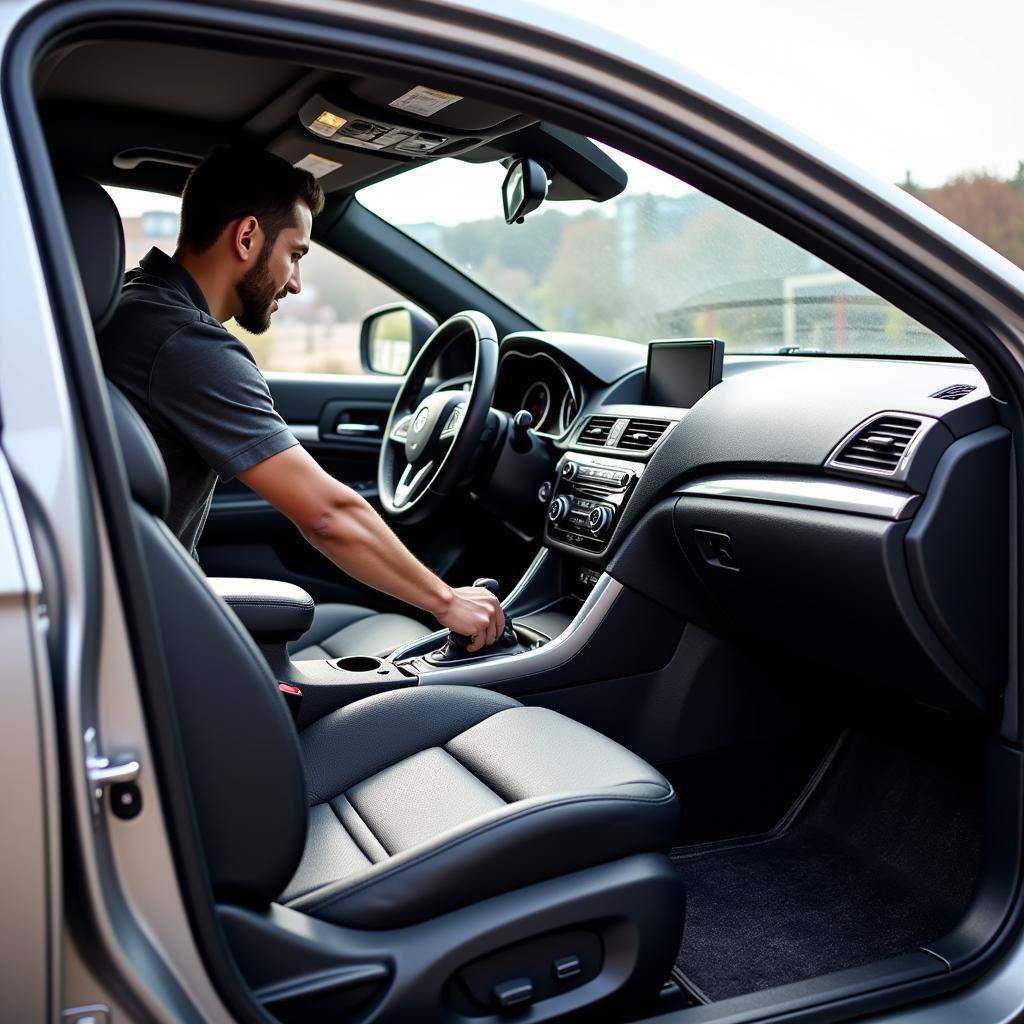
(400, 431)
(412, 481)
(451, 429)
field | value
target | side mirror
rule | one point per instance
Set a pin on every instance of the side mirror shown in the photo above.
(524, 189)
(390, 337)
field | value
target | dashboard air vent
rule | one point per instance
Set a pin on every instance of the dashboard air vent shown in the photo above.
(641, 435)
(879, 446)
(597, 430)
(954, 391)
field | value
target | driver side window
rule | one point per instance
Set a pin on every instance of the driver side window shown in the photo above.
(316, 331)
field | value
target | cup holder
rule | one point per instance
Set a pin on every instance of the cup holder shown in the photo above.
(359, 663)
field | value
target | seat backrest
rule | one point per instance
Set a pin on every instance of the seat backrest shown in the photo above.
(245, 768)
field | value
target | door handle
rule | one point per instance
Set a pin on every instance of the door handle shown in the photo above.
(358, 429)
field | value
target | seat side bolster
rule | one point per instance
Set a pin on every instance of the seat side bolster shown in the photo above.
(530, 752)
(361, 739)
(527, 842)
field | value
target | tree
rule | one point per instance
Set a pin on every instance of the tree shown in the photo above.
(991, 209)
(909, 185)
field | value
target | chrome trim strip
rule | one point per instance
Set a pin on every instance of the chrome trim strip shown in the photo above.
(359, 429)
(305, 433)
(831, 496)
(534, 567)
(491, 672)
(440, 635)
(897, 472)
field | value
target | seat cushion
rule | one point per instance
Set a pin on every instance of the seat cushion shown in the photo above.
(430, 798)
(339, 630)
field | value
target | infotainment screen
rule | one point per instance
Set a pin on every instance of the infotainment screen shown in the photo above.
(680, 372)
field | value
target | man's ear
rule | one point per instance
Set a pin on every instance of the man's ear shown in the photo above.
(247, 237)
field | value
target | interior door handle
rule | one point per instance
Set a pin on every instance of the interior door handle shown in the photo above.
(358, 429)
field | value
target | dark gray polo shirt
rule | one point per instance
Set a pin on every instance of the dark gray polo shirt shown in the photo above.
(194, 383)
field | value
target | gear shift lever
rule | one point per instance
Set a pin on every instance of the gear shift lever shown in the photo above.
(458, 642)
(454, 649)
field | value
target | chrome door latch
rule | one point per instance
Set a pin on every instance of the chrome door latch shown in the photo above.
(117, 776)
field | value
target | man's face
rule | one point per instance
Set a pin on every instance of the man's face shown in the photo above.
(275, 274)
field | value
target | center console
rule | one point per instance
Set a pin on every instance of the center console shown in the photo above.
(589, 495)
(553, 614)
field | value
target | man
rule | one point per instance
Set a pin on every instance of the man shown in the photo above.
(246, 217)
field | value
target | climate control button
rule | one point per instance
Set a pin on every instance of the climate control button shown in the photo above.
(559, 509)
(600, 519)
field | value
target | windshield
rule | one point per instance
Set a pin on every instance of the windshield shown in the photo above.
(661, 260)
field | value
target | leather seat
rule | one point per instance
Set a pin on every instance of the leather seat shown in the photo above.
(446, 795)
(414, 811)
(338, 630)
(399, 807)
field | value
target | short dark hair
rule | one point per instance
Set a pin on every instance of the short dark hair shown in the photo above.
(237, 181)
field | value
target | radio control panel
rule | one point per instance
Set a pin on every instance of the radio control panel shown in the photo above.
(589, 495)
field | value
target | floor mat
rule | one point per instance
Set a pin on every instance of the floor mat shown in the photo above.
(879, 856)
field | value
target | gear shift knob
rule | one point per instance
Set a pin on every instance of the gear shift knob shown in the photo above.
(508, 636)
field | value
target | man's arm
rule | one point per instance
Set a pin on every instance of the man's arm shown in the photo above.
(342, 525)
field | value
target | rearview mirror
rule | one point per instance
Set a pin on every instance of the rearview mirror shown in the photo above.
(390, 337)
(524, 189)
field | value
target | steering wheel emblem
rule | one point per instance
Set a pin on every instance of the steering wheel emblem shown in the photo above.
(421, 419)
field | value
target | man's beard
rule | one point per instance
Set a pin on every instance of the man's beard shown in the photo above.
(257, 292)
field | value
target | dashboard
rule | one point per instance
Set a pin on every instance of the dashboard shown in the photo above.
(848, 512)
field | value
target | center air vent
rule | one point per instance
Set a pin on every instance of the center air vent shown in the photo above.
(878, 446)
(642, 435)
(597, 430)
(954, 392)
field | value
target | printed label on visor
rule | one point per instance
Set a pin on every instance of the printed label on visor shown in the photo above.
(318, 166)
(423, 101)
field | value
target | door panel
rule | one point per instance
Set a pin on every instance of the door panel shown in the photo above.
(245, 536)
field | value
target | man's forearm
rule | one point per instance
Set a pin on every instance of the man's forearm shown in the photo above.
(342, 525)
(356, 539)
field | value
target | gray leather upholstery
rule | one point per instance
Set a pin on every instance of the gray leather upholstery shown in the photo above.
(448, 795)
(339, 630)
(402, 806)
(270, 610)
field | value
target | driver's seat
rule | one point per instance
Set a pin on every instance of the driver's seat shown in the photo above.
(97, 235)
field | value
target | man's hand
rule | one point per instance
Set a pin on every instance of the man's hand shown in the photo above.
(475, 613)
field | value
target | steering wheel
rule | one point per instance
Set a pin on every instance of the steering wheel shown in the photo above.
(428, 444)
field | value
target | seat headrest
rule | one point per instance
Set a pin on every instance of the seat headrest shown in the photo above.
(147, 474)
(98, 240)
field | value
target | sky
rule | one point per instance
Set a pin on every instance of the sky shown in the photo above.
(934, 88)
